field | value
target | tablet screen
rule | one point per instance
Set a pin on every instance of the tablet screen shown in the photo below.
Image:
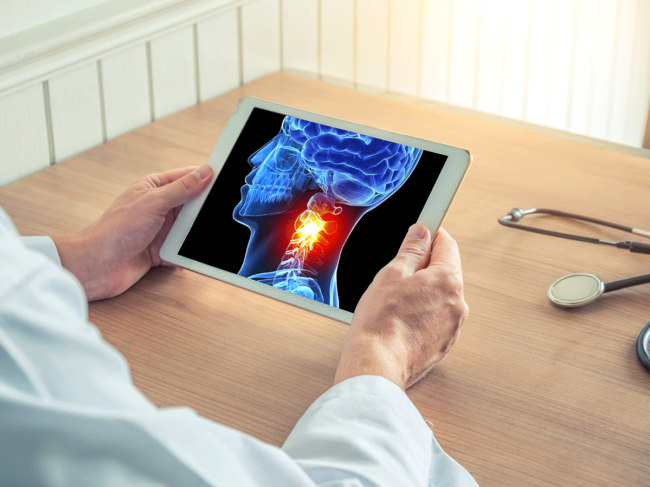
(311, 209)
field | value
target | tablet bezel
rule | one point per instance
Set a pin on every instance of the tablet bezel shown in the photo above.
(432, 214)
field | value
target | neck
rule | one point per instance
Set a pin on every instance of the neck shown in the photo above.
(299, 251)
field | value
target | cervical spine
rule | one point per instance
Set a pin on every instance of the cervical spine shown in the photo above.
(294, 274)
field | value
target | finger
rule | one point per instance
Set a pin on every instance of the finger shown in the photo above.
(444, 250)
(164, 178)
(413, 255)
(177, 211)
(159, 239)
(186, 188)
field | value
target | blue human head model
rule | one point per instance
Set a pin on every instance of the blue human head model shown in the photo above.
(349, 168)
(344, 171)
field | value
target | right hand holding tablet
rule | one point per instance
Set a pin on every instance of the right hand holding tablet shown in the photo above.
(411, 314)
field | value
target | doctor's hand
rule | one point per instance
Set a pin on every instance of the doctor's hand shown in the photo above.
(114, 252)
(411, 314)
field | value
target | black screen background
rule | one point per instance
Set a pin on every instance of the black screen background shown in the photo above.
(216, 239)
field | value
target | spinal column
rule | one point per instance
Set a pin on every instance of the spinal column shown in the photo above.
(294, 273)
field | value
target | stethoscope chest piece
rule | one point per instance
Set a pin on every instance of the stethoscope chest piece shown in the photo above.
(576, 290)
(643, 346)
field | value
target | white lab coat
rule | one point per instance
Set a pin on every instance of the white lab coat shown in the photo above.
(70, 415)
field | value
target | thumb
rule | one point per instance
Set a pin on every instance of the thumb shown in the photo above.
(187, 188)
(416, 248)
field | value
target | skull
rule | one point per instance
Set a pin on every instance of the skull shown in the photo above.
(350, 168)
(277, 178)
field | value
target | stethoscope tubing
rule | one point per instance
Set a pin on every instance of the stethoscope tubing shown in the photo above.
(624, 283)
(517, 214)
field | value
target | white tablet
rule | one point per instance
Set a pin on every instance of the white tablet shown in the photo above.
(306, 208)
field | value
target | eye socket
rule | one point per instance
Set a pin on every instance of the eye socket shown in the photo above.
(286, 158)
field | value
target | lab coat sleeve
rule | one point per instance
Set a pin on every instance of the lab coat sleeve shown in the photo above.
(44, 245)
(70, 415)
(366, 430)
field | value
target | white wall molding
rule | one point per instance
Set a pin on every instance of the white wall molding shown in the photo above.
(42, 52)
(76, 81)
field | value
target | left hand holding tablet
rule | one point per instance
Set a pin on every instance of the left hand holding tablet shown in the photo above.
(115, 251)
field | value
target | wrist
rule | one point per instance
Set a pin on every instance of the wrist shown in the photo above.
(78, 255)
(371, 355)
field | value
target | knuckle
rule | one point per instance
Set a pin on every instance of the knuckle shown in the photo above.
(452, 277)
(453, 243)
(463, 311)
(184, 184)
(417, 248)
(148, 181)
(424, 280)
(394, 270)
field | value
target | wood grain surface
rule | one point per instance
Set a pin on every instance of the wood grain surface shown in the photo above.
(530, 395)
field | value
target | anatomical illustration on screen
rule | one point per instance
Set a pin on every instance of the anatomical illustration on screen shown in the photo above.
(308, 188)
(310, 209)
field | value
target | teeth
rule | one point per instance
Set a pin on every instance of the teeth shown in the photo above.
(268, 194)
(270, 186)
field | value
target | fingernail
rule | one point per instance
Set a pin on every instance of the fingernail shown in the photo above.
(416, 232)
(203, 171)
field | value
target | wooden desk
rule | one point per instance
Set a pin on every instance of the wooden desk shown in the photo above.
(530, 395)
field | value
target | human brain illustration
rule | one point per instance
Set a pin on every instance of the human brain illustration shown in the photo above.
(359, 170)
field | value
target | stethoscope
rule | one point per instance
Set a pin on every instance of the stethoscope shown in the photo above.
(581, 289)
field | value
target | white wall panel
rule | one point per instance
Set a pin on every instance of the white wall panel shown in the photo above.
(583, 67)
(640, 89)
(489, 67)
(562, 41)
(372, 43)
(601, 78)
(515, 63)
(436, 31)
(260, 38)
(300, 35)
(462, 64)
(337, 39)
(173, 72)
(23, 134)
(404, 53)
(539, 61)
(18, 15)
(218, 54)
(623, 67)
(76, 112)
(126, 91)
(577, 65)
